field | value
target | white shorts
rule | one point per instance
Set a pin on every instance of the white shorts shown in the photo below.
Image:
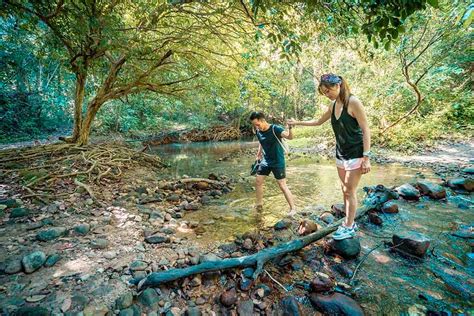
(351, 164)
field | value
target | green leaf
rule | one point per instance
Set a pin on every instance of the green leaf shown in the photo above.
(433, 3)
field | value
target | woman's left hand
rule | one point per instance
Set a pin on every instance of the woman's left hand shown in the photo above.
(365, 167)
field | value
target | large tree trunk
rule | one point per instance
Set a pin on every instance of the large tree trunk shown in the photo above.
(78, 101)
(85, 129)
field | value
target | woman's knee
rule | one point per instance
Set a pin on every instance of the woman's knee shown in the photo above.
(349, 191)
(259, 182)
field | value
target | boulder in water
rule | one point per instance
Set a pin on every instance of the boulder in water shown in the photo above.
(336, 304)
(462, 183)
(464, 231)
(408, 192)
(322, 283)
(413, 243)
(433, 190)
(338, 210)
(347, 248)
(375, 219)
(390, 207)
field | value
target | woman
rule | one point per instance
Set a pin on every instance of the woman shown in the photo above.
(349, 123)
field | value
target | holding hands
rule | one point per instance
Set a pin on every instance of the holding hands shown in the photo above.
(291, 122)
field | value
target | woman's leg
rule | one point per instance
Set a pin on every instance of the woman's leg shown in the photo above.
(351, 181)
(342, 177)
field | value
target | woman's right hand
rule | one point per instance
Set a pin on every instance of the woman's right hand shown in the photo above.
(292, 122)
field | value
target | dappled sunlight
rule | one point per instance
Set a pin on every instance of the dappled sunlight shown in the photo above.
(79, 265)
(381, 258)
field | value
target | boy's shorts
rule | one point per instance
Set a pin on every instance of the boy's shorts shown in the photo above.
(278, 172)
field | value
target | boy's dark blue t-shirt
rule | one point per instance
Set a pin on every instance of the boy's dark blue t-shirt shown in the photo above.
(273, 154)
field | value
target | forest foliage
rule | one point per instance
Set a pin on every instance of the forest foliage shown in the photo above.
(142, 67)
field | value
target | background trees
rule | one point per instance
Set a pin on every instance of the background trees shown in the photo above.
(128, 66)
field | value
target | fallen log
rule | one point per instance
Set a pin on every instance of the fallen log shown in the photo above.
(375, 198)
(258, 259)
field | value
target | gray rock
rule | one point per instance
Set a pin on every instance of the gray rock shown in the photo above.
(133, 310)
(52, 260)
(193, 311)
(327, 217)
(19, 212)
(154, 215)
(82, 229)
(9, 203)
(291, 307)
(96, 310)
(33, 261)
(247, 244)
(99, 243)
(408, 192)
(191, 206)
(157, 239)
(390, 207)
(173, 198)
(149, 298)
(138, 265)
(229, 297)
(110, 255)
(248, 272)
(168, 230)
(347, 248)
(124, 301)
(228, 248)
(245, 308)
(51, 233)
(78, 302)
(139, 275)
(13, 266)
(336, 304)
(208, 257)
(433, 190)
(32, 311)
(462, 183)
(469, 170)
(412, 243)
(206, 199)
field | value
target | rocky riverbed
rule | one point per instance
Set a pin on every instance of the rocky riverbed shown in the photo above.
(74, 257)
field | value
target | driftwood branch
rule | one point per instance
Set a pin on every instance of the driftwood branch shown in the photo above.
(258, 259)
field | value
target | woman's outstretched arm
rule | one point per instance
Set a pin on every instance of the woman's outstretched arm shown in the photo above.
(326, 116)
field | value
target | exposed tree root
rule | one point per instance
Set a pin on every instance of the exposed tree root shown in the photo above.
(39, 168)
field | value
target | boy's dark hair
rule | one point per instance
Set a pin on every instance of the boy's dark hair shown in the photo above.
(257, 115)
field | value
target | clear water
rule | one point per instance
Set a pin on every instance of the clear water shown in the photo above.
(386, 283)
